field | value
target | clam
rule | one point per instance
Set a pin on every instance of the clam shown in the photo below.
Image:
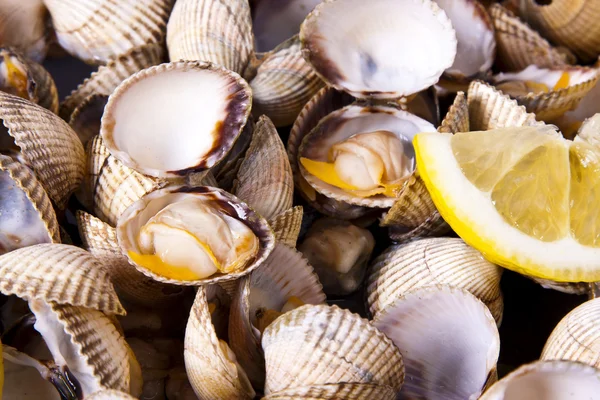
(339, 251)
(476, 43)
(97, 31)
(571, 121)
(346, 391)
(210, 363)
(577, 336)
(342, 40)
(547, 380)
(448, 340)
(520, 46)
(284, 282)
(548, 92)
(319, 345)
(566, 23)
(23, 25)
(286, 226)
(428, 262)
(192, 236)
(27, 214)
(198, 111)
(110, 395)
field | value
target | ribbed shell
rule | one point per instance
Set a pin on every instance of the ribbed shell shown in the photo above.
(284, 83)
(284, 273)
(106, 79)
(490, 109)
(577, 336)
(27, 182)
(413, 207)
(427, 262)
(48, 145)
(100, 239)
(46, 91)
(86, 118)
(286, 226)
(110, 395)
(457, 117)
(346, 391)
(207, 367)
(315, 345)
(571, 23)
(59, 273)
(110, 186)
(265, 179)
(519, 45)
(99, 343)
(219, 31)
(433, 226)
(565, 287)
(97, 31)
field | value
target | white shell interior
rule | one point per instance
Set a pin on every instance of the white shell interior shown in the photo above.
(476, 41)
(448, 340)
(394, 46)
(548, 77)
(169, 121)
(548, 381)
(275, 21)
(21, 224)
(359, 119)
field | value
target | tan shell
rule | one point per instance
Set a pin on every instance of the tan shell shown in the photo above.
(519, 45)
(413, 207)
(226, 171)
(97, 31)
(23, 26)
(264, 179)
(46, 88)
(218, 31)
(554, 103)
(110, 187)
(314, 345)
(286, 226)
(490, 109)
(457, 117)
(60, 273)
(346, 391)
(577, 336)
(433, 226)
(209, 370)
(85, 119)
(565, 287)
(110, 395)
(426, 262)
(284, 83)
(106, 79)
(48, 146)
(95, 338)
(567, 23)
(100, 239)
(27, 182)
(284, 273)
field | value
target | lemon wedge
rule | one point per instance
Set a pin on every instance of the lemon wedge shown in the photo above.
(526, 198)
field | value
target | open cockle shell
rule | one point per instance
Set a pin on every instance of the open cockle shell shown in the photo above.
(476, 44)
(59, 273)
(106, 79)
(97, 31)
(218, 31)
(314, 345)
(547, 380)
(284, 83)
(27, 214)
(566, 22)
(285, 273)
(264, 179)
(226, 213)
(559, 97)
(23, 25)
(109, 186)
(335, 391)
(520, 46)
(47, 145)
(577, 336)
(198, 110)
(344, 42)
(448, 340)
(429, 262)
(86, 342)
(340, 125)
(286, 226)
(210, 364)
(100, 239)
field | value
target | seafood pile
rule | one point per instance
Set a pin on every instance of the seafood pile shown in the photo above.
(296, 199)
